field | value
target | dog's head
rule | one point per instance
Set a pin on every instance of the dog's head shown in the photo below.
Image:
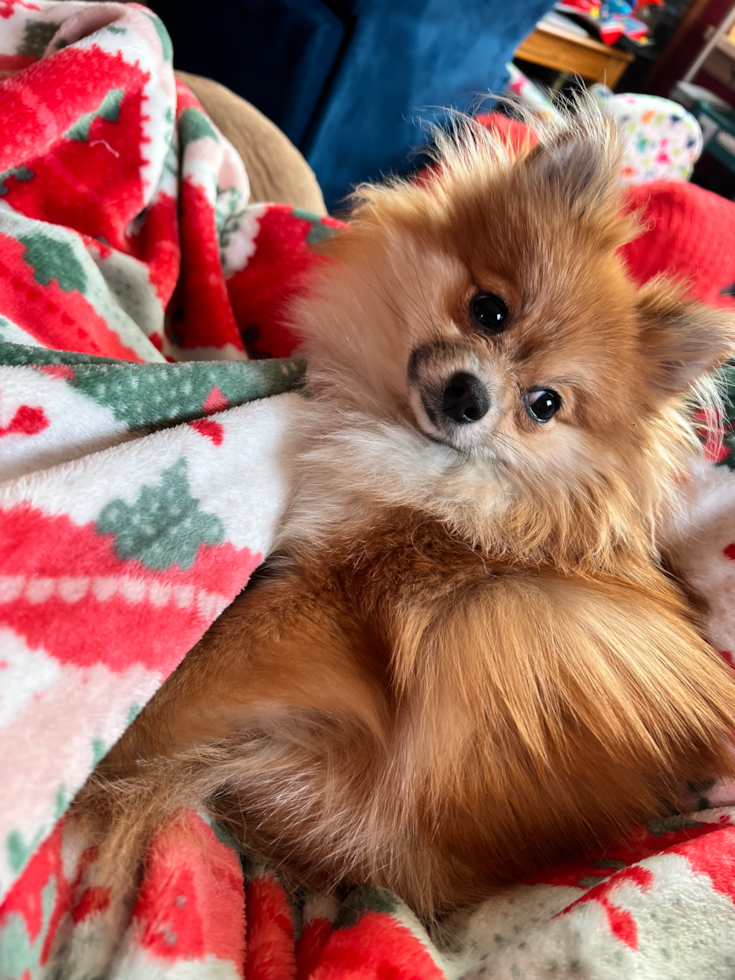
(486, 308)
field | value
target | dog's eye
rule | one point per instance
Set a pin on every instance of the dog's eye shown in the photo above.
(489, 312)
(542, 404)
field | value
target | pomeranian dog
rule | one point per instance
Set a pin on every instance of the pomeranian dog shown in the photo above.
(464, 659)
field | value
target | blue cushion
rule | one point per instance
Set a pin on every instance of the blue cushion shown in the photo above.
(277, 54)
(404, 57)
(347, 80)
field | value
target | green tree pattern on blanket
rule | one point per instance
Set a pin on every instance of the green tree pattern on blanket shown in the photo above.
(319, 231)
(20, 173)
(165, 526)
(21, 955)
(229, 210)
(37, 35)
(52, 259)
(141, 395)
(167, 49)
(155, 395)
(194, 125)
(109, 111)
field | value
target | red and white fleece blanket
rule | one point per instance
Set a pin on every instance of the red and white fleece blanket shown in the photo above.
(139, 488)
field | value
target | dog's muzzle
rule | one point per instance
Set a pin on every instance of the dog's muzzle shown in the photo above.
(448, 394)
(465, 399)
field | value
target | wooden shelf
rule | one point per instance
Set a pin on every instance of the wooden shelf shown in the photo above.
(552, 47)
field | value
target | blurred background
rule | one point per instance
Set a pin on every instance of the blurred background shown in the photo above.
(349, 81)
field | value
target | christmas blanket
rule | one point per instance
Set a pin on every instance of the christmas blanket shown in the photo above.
(140, 292)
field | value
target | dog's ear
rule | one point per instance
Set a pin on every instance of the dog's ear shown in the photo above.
(580, 162)
(682, 340)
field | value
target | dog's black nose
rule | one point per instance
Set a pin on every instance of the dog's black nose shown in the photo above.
(465, 398)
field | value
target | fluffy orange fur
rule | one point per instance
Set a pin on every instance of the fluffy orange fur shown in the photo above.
(464, 659)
